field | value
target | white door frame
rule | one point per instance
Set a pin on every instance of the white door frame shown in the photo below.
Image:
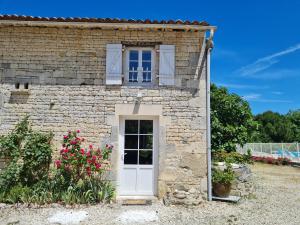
(155, 152)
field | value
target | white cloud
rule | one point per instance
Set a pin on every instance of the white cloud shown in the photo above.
(250, 97)
(272, 100)
(254, 97)
(276, 74)
(265, 62)
(241, 86)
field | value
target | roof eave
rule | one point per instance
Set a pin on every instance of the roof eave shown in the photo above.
(122, 26)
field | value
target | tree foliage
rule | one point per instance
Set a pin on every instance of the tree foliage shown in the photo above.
(275, 127)
(231, 120)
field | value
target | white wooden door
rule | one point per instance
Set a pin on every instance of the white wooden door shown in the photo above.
(138, 157)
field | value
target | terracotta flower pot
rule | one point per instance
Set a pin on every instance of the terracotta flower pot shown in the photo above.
(221, 190)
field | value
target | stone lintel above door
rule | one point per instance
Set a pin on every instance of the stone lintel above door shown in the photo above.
(138, 109)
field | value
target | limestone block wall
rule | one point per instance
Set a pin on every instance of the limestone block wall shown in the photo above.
(69, 56)
(65, 69)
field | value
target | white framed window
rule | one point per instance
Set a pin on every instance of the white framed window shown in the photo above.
(139, 65)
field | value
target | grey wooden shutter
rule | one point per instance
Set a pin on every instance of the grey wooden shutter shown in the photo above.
(166, 64)
(114, 64)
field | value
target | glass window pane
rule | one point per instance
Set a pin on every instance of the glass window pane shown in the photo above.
(131, 141)
(133, 55)
(146, 66)
(130, 157)
(133, 65)
(131, 126)
(146, 55)
(146, 126)
(133, 76)
(146, 141)
(146, 76)
(145, 157)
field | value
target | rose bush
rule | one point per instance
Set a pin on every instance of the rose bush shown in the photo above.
(78, 163)
(78, 175)
(271, 160)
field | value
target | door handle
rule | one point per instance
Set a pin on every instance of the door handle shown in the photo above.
(122, 156)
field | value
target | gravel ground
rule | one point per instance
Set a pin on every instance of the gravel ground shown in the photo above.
(276, 201)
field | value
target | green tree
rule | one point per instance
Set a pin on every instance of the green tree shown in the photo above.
(231, 120)
(275, 127)
(294, 117)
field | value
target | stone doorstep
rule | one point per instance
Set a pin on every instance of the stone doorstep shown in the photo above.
(136, 202)
(132, 200)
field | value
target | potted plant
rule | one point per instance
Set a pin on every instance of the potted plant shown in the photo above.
(222, 180)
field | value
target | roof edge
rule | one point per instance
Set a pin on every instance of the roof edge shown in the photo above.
(15, 20)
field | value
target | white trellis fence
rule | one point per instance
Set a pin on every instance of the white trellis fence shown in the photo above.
(288, 150)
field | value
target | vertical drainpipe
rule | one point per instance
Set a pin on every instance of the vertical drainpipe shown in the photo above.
(209, 45)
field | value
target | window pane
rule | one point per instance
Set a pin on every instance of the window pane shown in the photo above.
(133, 65)
(146, 76)
(146, 55)
(130, 157)
(145, 157)
(131, 141)
(134, 55)
(131, 126)
(146, 126)
(133, 76)
(146, 66)
(146, 141)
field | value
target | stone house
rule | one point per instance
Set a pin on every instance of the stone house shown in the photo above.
(140, 85)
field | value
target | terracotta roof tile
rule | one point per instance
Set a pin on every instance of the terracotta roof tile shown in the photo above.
(99, 20)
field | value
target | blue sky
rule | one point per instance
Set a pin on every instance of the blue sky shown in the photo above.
(257, 44)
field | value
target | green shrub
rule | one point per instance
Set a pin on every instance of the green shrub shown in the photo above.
(232, 157)
(28, 154)
(79, 176)
(225, 176)
(16, 194)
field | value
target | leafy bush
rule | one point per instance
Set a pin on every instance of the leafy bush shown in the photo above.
(225, 176)
(80, 173)
(77, 163)
(271, 160)
(79, 176)
(232, 157)
(29, 156)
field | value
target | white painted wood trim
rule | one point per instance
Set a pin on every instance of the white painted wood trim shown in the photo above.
(155, 154)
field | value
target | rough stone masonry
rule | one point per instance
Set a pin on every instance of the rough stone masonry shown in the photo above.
(64, 69)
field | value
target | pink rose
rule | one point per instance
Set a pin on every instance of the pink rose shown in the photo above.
(78, 131)
(82, 151)
(98, 166)
(58, 163)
